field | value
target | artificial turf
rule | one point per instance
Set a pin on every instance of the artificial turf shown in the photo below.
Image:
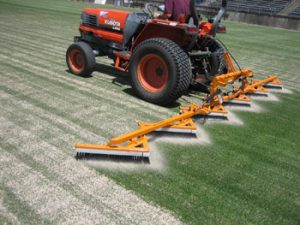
(250, 174)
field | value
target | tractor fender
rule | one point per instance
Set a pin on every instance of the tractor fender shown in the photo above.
(164, 30)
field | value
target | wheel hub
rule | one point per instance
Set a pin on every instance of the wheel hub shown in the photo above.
(153, 73)
(159, 72)
(76, 61)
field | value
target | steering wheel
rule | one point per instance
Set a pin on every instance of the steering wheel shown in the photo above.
(150, 7)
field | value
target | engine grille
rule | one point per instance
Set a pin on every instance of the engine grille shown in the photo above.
(89, 20)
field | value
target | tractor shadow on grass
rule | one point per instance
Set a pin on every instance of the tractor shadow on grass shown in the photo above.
(68, 71)
(119, 78)
(122, 78)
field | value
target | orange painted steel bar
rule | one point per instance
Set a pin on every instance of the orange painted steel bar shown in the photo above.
(247, 85)
(183, 126)
(135, 143)
(137, 147)
(155, 126)
(257, 85)
(224, 79)
(213, 105)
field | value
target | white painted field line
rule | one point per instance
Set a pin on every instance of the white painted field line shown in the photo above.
(95, 189)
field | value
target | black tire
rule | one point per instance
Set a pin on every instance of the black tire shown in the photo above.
(178, 65)
(217, 66)
(221, 61)
(216, 60)
(86, 52)
(214, 67)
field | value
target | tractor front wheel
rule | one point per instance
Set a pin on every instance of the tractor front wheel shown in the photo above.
(80, 59)
(160, 71)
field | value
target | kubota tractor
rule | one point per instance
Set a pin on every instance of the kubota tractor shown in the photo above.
(164, 58)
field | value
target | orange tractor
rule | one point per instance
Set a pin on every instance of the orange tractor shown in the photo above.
(164, 58)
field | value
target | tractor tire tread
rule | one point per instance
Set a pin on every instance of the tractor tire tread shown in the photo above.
(182, 64)
(88, 54)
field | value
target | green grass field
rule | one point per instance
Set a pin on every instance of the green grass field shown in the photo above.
(248, 174)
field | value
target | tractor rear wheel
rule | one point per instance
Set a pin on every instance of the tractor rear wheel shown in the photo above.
(80, 59)
(160, 71)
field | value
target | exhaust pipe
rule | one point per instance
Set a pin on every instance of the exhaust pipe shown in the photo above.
(219, 17)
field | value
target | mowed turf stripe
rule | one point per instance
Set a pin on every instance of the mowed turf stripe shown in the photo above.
(291, 81)
(50, 57)
(56, 62)
(80, 84)
(49, 165)
(36, 36)
(38, 32)
(45, 197)
(262, 67)
(72, 106)
(84, 181)
(62, 25)
(58, 111)
(7, 216)
(262, 154)
(62, 107)
(270, 70)
(262, 70)
(24, 116)
(55, 124)
(14, 211)
(111, 93)
(77, 131)
(282, 76)
(35, 44)
(38, 159)
(37, 6)
(57, 26)
(88, 88)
